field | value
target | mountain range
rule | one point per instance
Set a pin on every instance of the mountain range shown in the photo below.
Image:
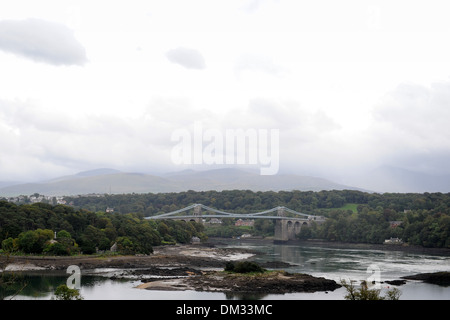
(393, 179)
(105, 180)
(117, 182)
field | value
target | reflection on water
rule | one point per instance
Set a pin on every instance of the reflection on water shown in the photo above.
(42, 284)
(330, 263)
(348, 263)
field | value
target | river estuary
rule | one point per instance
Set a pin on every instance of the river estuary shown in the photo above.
(331, 263)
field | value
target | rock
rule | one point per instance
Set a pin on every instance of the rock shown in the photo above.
(439, 278)
(396, 282)
(271, 282)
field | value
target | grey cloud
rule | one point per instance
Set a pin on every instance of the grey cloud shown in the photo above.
(41, 41)
(252, 6)
(187, 58)
(36, 142)
(417, 111)
(412, 127)
(290, 115)
(278, 113)
(258, 63)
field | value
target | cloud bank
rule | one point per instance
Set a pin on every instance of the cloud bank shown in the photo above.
(41, 41)
(187, 58)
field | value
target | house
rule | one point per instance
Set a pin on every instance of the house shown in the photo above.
(114, 247)
(241, 222)
(393, 241)
(395, 224)
(195, 240)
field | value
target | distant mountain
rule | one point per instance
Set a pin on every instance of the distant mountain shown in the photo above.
(8, 183)
(97, 172)
(107, 183)
(116, 182)
(393, 179)
(228, 179)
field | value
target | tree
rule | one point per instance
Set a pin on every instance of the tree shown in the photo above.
(33, 241)
(64, 245)
(93, 238)
(11, 283)
(364, 293)
(264, 227)
(9, 245)
(63, 292)
(125, 245)
(63, 234)
(57, 249)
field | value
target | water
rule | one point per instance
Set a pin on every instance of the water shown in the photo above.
(336, 264)
(356, 264)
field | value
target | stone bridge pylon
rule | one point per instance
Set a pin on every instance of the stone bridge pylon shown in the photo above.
(286, 229)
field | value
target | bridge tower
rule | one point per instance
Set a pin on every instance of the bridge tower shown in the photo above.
(198, 213)
(281, 232)
(285, 229)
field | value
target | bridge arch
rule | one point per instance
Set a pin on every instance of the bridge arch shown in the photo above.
(297, 227)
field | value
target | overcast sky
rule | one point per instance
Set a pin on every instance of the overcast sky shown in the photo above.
(350, 85)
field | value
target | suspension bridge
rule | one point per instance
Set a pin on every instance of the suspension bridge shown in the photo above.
(288, 222)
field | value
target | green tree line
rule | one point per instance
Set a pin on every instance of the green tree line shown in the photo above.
(31, 229)
(244, 201)
(425, 217)
(422, 227)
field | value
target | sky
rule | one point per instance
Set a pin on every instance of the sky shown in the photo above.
(349, 85)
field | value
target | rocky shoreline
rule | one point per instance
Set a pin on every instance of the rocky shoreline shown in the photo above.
(195, 256)
(439, 278)
(194, 267)
(182, 267)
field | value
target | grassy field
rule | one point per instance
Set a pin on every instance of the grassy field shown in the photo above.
(350, 206)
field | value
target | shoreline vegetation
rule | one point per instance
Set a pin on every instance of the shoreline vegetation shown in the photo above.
(201, 267)
(92, 222)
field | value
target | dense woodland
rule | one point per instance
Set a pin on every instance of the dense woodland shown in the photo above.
(352, 216)
(31, 229)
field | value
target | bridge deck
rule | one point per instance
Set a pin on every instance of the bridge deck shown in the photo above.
(241, 216)
(224, 214)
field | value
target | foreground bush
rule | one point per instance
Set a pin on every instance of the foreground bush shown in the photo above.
(364, 293)
(244, 267)
(63, 292)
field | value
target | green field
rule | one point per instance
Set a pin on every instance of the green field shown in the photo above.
(349, 206)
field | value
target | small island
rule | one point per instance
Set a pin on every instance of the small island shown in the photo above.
(244, 277)
(272, 282)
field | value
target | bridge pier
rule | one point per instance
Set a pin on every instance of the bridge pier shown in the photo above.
(285, 229)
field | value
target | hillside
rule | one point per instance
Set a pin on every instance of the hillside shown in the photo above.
(116, 182)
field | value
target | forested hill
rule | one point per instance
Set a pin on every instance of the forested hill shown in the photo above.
(353, 216)
(41, 228)
(245, 201)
